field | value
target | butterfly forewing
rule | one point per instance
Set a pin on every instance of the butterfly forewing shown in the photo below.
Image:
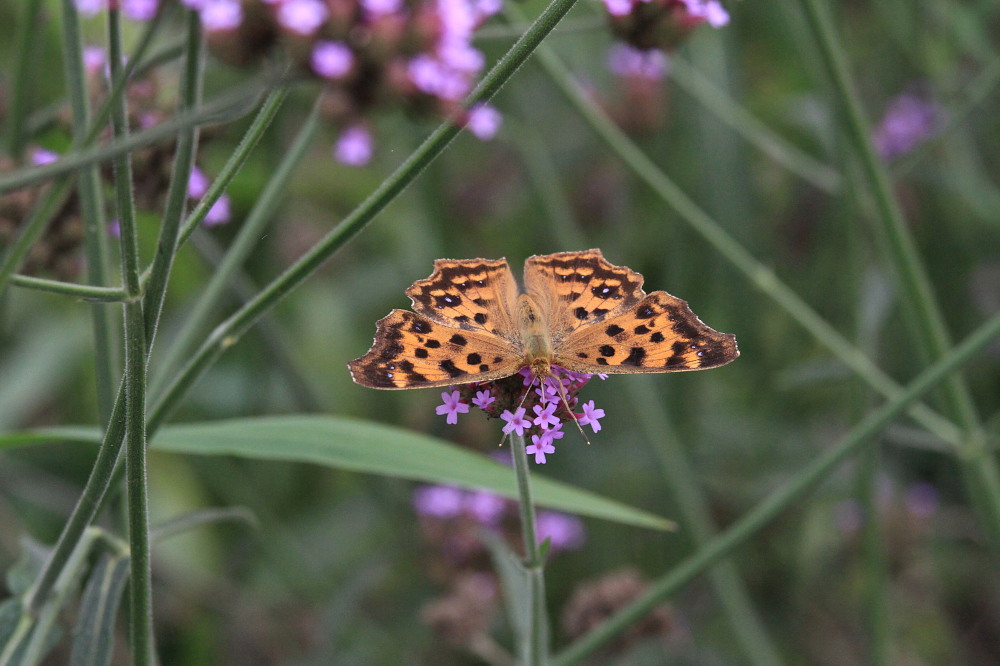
(580, 289)
(471, 294)
(411, 351)
(659, 334)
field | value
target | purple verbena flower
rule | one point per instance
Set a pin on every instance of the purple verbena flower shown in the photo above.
(376, 8)
(618, 7)
(591, 416)
(483, 399)
(545, 417)
(114, 228)
(486, 507)
(41, 156)
(140, 10)
(453, 406)
(90, 7)
(484, 121)
(909, 121)
(563, 531)
(332, 60)
(515, 421)
(354, 147)
(219, 213)
(628, 61)
(220, 15)
(922, 500)
(197, 183)
(303, 17)
(711, 11)
(540, 445)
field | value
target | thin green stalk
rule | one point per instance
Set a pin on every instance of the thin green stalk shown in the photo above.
(700, 222)
(769, 142)
(84, 292)
(877, 618)
(228, 333)
(250, 233)
(92, 211)
(228, 106)
(783, 498)
(110, 449)
(26, 61)
(184, 154)
(682, 482)
(535, 650)
(140, 581)
(978, 464)
(263, 119)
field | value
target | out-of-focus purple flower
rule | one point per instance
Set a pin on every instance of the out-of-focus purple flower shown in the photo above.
(711, 11)
(453, 406)
(591, 416)
(220, 15)
(377, 8)
(140, 10)
(908, 121)
(618, 7)
(41, 156)
(332, 60)
(439, 501)
(486, 507)
(484, 121)
(302, 16)
(628, 61)
(564, 531)
(922, 500)
(219, 213)
(197, 183)
(95, 60)
(114, 229)
(354, 147)
(90, 7)
(483, 9)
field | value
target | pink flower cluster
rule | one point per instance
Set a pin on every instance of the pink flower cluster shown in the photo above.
(513, 402)
(662, 24)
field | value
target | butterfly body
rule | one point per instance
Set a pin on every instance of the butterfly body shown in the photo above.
(578, 312)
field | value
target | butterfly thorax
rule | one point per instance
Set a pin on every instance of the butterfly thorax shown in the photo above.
(534, 336)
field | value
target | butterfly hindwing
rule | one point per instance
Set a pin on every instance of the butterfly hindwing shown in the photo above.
(412, 351)
(659, 334)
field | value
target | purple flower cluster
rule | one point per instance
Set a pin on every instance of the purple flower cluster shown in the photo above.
(662, 24)
(447, 503)
(537, 412)
(908, 121)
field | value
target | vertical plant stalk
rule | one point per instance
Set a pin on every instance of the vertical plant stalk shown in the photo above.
(27, 35)
(978, 463)
(535, 651)
(92, 211)
(140, 582)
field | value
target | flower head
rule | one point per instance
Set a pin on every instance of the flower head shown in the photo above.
(564, 532)
(909, 121)
(540, 445)
(453, 406)
(515, 421)
(591, 416)
(354, 147)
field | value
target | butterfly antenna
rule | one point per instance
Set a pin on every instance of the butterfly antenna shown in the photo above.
(565, 401)
(519, 405)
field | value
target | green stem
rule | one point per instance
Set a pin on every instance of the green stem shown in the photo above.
(978, 464)
(24, 84)
(140, 582)
(83, 292)
(535, 650)
(92, 211)
(228, 332)
(187, 146)
(783, 498)
(251, 231)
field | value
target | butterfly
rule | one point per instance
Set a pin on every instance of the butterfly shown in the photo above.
(578, 312)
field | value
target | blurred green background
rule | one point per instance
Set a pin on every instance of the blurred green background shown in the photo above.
(337, 570)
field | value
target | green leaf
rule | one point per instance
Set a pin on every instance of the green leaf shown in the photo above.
(94, 634)
(80, 434)
(515, 584)
(362, 446)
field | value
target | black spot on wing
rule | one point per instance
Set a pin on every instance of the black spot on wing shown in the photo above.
(420, 352)
(606, 350)
(613, 330)
(432, 344)
(459, 340)
(448, 366)
(481, 318)
(474, 359)
(656, 337)
(635, 357)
